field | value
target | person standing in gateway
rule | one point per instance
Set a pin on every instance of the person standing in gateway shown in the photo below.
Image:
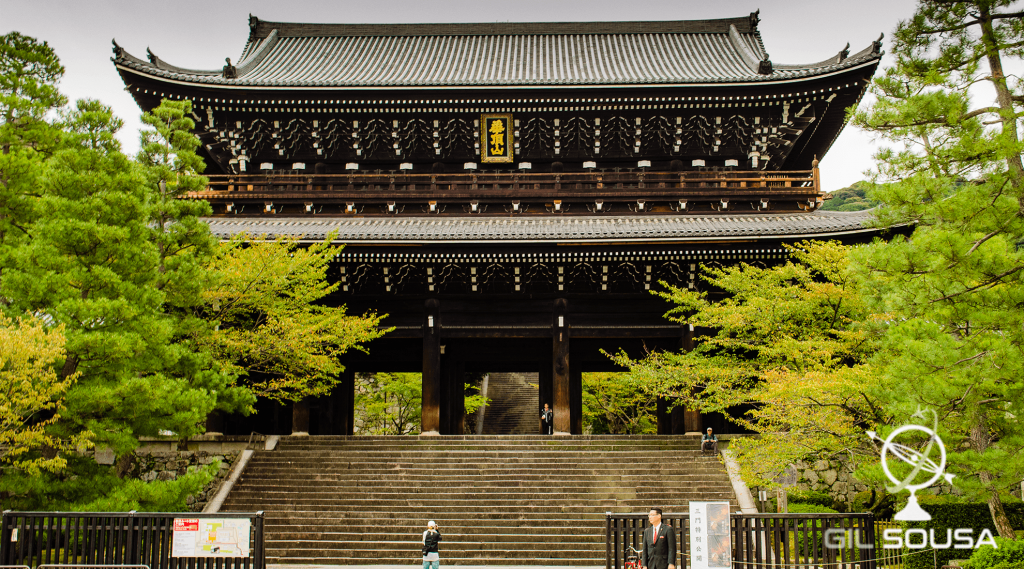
(431, 558)
(547, 419)
(659, 547)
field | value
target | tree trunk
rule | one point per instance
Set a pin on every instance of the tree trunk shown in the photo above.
(995, 507)
(1003, 96)
(979, 443)
(70, 366)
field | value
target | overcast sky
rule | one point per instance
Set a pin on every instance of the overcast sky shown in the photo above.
(200, 34)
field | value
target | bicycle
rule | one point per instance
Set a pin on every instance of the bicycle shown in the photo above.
(632, 558)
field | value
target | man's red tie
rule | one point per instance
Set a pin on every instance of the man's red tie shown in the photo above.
(655, 532)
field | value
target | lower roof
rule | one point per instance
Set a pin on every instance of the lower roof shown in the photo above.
(552, 229)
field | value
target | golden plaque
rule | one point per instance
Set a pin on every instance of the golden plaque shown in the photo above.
(496, 138)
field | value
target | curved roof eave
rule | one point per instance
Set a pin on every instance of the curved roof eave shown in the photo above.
(750, 82)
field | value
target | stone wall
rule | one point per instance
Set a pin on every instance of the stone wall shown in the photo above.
(834, 478)
(169, 465)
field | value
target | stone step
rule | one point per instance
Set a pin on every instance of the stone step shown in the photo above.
(383, 490)
(369, 550)
(429, 506)
(504, 497)
(500, 500)
(527, 558)
(539, 455)
(567, 469)
(465, 540)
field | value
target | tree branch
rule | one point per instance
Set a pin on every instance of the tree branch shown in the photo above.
(989, 282)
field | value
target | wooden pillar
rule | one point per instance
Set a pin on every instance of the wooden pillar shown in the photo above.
(300, 417)
(545, 393)
(691, 419)
(215, 423)
(345, 404)
(431, 417)
(679, 415)
(576, 408)
(664, 417)
(561, 380)
(458, 393)
(453, 390)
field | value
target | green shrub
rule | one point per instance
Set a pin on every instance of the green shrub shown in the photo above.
(949, 513)
(1008, 555)
(800, 508)
(811, 497)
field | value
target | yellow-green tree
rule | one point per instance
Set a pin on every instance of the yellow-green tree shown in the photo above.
(265, 301)
(785, 340)
(616, 403)
(32, 395)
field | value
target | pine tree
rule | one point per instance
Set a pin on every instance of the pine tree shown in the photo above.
(952, 291)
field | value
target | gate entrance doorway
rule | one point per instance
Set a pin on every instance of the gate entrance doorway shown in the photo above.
(513, 408)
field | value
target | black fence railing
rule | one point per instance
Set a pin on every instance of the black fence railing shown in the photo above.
(64, 539)
(760, 541)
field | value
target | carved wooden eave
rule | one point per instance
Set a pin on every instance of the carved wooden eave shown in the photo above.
(614, 93)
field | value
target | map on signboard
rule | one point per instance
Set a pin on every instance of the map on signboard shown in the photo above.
(209, 537)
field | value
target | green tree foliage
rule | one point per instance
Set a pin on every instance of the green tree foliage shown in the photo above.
(389, 403)
(86, 486)
(29, 72)
(784, 339)
(32, 395)
(616, 403)
(89, 263)
(851, 198)
(265, 301)
(952, 292)
(101, 250)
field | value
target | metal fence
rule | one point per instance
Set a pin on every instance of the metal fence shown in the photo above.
(778, 541)
(46, 539)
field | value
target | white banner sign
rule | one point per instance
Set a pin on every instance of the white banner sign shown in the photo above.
(209, 537)
(710, 539)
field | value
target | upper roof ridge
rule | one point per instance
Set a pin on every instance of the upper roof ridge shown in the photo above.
(745, 24)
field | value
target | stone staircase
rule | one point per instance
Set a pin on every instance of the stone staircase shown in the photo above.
(514, 408)
(500, 500)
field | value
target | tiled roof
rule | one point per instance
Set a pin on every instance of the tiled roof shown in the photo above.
(589, 53)
(554, 229)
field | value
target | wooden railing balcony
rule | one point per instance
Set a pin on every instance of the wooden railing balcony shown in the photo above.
(395, 191)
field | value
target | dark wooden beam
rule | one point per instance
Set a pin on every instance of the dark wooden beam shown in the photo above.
(545, 387)
(560, 371)
(691, 418)
(300, 417)
(431, 417)
(345, 410)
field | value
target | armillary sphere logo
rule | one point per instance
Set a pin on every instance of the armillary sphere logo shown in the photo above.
(919, 461)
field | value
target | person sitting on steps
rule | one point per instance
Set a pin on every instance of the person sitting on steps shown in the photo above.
(709, 442)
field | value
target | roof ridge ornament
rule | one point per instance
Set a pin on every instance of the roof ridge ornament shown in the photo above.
(118, 50)
(253, 23)
(229, 71)
(765, 66)
(755, 19)
(876, 46)
(844, 53)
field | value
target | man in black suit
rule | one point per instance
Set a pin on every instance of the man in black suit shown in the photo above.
(659, 548)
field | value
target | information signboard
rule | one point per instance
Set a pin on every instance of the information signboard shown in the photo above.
(211, 537)
(710, 535)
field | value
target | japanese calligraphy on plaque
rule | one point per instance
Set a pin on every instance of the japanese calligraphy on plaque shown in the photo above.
(496, 138)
